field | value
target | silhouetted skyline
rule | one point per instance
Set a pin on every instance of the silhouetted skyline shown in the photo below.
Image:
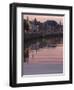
(42, 18)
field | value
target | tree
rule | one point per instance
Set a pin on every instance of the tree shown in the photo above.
(26, 26)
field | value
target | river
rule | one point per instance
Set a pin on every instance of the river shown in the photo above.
(43, 56)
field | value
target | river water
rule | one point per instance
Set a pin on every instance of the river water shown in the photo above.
(43, 56)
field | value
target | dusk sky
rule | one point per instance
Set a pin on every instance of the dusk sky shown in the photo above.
(42, 18)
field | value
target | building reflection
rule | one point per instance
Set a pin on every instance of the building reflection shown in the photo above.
(40, 43)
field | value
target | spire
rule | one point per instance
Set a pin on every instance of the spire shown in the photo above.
(27, 18)
(35, 20)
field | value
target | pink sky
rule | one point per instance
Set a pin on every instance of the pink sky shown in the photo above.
(44, 18)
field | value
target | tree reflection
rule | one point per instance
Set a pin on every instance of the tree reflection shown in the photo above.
(39, 43)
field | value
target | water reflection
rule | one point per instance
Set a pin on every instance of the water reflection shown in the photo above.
(43, 49)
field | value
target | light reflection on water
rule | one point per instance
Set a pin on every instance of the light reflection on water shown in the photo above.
(44, 50)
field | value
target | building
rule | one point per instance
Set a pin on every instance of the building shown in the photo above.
(47, 26)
